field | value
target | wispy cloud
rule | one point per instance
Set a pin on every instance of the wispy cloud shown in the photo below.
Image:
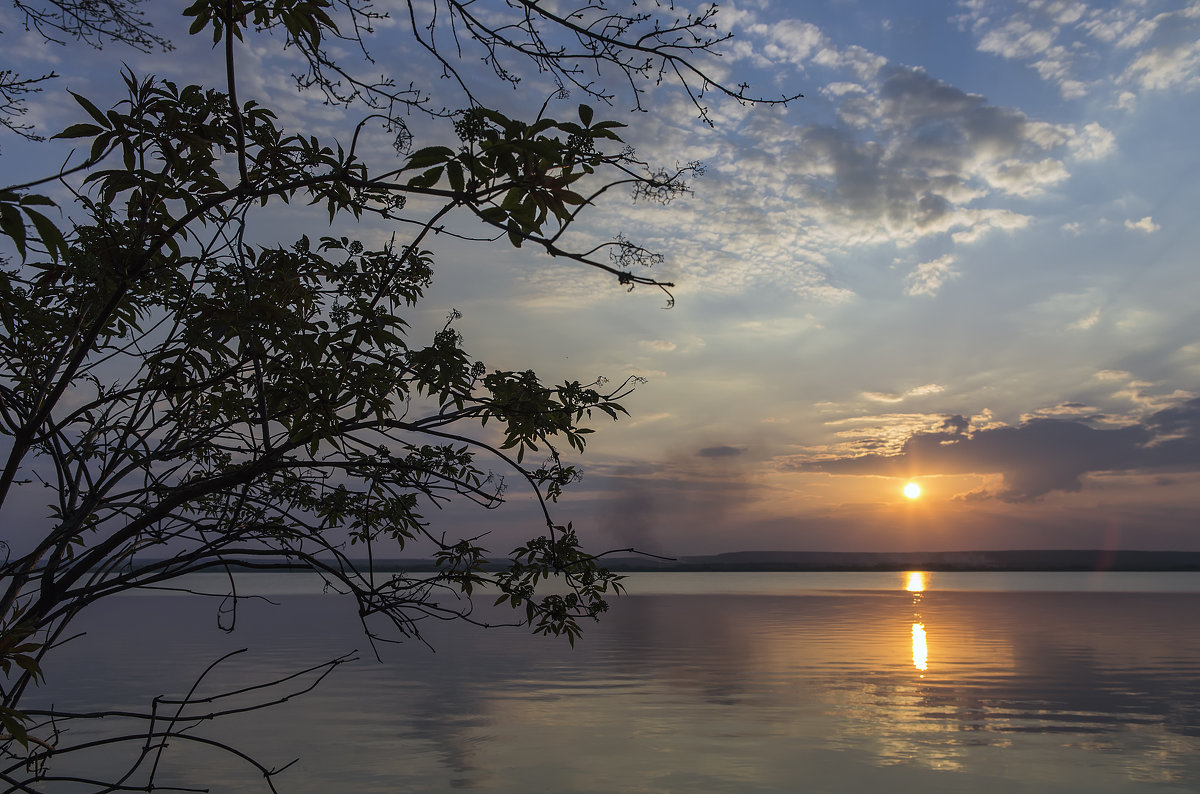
(928, 277)
(659, 345)
(1064, 43)
(919, 391)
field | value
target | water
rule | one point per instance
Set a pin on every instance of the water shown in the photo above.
(695, 683)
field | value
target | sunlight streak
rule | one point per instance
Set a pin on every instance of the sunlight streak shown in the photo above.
(920, 651)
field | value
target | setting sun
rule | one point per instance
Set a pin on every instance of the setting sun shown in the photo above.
(912, 490)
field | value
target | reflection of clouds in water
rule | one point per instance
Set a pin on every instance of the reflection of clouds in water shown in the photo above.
(1008, 665)
(727, 688)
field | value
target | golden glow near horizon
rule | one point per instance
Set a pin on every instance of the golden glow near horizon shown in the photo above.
(912, 490)
(919, 647)
(915, 582)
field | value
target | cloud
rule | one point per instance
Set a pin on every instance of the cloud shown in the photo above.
(928, 277)
(882, 397)
(720, 452)
(1171, 58)
(641, 419)
(894, 156)
(908, 158)
(1093, 142)
(1032, 35)
(881, 434)
(1086, 322)
(1067, 411)
(919, 391)
(661, 345)
(1146, 225)
(1047, 452)
(1071, 45)
(1016, 38)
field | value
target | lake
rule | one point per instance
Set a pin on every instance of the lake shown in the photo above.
(694, 682)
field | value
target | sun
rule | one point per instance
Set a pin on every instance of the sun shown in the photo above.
(912, 490)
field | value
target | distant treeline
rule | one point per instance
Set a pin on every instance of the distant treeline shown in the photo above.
(1007, 560)
(1019, 560)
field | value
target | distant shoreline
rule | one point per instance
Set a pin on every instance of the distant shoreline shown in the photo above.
(1048, 560)
(995, 560)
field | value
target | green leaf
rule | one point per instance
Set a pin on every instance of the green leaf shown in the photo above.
(98, 147)
(92, 110)
(427, 179)
(585, 115)
(80, 131)
(12, 721)
(51, 237)
(430, 155)
(454, 172)
(35, 200)
(512, 199)
(12, 225)
(493, 214)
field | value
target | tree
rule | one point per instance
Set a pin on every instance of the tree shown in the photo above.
(196, 396)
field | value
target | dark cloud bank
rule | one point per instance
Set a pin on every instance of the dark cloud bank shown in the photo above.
(1039, 456)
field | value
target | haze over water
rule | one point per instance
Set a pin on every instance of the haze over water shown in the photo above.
(704, 683)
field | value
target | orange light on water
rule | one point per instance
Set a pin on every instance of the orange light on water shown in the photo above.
(920, 649)
(915, 582)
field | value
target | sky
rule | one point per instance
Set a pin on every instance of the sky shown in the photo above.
(967, 258)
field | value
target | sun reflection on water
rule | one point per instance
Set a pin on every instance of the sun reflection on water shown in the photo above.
(920, 651)
(915, 584)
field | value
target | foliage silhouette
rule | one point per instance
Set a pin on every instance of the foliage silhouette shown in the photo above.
(196, 397)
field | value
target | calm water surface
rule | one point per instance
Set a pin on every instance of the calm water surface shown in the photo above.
(698, 683)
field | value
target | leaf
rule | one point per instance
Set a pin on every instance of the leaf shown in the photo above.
(92, 110)
(427, 179)
(12, 225)
(51, 237)
(512, 199)
(585, 115)
(29, 665)
(80, 131)
(492, 214)
(98, 146)
(12, 722)
(454, 172)
(430, 155)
